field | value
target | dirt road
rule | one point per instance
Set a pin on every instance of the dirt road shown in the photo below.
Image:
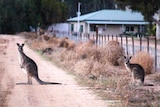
(70, 94)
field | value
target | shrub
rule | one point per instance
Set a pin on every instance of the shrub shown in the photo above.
(82, 68)
(86, 50)
(29, 35)
(46, 37)
(112, 52)
(145, 60)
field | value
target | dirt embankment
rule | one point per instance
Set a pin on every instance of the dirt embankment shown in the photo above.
(69, 94)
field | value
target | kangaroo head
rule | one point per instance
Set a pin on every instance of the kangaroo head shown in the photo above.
(20, 47)
(127, 59)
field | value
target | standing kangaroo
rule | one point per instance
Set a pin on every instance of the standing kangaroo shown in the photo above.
(29, 66)
(137, 70)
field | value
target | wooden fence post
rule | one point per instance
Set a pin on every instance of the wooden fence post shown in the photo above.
(116, 38)
(148, 44)
(97, 36)
(108, 37)
(94, 38)
(133, 45)
(105, 39)
(102, 40)
(121, 40)
(87, 37)
(140, 43)
(155, 54)
(126, 44)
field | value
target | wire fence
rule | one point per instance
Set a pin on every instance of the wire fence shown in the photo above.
(129, 43)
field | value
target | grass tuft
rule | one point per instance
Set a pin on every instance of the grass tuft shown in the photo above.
(145, 60)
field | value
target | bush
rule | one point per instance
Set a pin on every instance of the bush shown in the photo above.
(113, 52)
(86, 50)
(145, 60)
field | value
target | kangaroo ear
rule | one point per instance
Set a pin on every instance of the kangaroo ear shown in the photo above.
(17, 44)
(130, 57)
(22, 44)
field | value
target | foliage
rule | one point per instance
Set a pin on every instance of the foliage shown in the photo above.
(152, 30)
(87, 4)
(53, 11)
(147, 8)
(19, 15)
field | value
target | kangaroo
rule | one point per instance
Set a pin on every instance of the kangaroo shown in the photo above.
(137, 71)
(29, 67)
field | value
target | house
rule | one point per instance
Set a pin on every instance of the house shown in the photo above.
(109, 22)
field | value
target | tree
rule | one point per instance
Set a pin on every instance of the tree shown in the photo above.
(148, 8)
(53, 11)
(88, 6)
(19, 15)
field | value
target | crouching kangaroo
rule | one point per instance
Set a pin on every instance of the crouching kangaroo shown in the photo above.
(137, 71)
(29, 67)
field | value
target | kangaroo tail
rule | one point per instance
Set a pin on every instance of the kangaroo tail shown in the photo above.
(148, 85)
(43, 82)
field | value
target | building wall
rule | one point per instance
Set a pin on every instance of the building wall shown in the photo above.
(62, 27)
(104, 29)
(116, 29)
(75, 26)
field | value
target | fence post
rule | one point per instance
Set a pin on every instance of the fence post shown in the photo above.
(112, 36)
(102, 39)
(99, 38)
(133, 45)
(140, 38)
(155, 54)
(116, 38)
(121, 40)
(88, 36)
(96, 36)
(127, 44)
(81, 37)
(148, 44)
(108, 37)
(105, 39)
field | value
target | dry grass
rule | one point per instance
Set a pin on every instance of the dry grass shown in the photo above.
(113, 53)
(145, 60)
(66, 43)
(40, 45)
(101, 68)
(29, 35)
(3, 41)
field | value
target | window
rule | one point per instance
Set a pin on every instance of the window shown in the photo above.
(129, 29)
(81, 28)
(72, 27)
(132, 29)
(93, 28)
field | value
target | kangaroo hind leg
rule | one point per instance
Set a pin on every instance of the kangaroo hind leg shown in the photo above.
(29, 79)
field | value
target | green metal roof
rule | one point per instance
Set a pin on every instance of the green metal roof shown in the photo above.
(111, 17)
